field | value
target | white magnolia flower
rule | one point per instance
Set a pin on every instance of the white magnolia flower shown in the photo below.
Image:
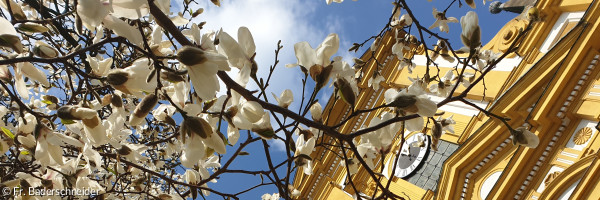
(252, 111)
(274, 196)
(303, 150)
(443, 87)
(133, 152)
(471, 33)
(204, 40)
(202, 68)
(94, 130)
(177, 90)
(418, 85)
(441, 49)
(92, 157)
(316, 111)
(295, 193)
(122, 28)
(317, 61)
(100, 67)
(341, 69)
(27, 123)
(27, 141)
(163, 111)
(16, 10)
(285, 99)
(32, 180)
(367, 151)
(484, 58)
(5, 74)
(522, 136)
(52, 179)
(447, 123)
(131, 9)
(412, 101)
(200, 127)
(375, 81)
(132, 80)
(467, 78)
(263, 127)
(399, 47)
(239, 54)
(9, 37)
(408, 63)
(48, 150)
(336, 1)
(192, 176)
(27, 69)
(382, 138)
(442, 21)
(233, 134)
(92, 12)
(404, 20)
(193, 151)
(142, 109)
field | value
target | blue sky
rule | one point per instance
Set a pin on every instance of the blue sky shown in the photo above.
(295, 21)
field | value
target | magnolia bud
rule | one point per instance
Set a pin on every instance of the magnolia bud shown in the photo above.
(142, 109)
(117, 78)
(171, 76)
(345, 91)
(198, 12)
(404, 101)
(11, 41)
(307, 134)
(75, 113)
(436, 134)
(124, 150)
(320, 74)
(5, 74)
(266, 133)
(189, 56)
(116, 101)
(471, 34)
(195, 126)
(32, 28)
(44, 50)
(50, 98)
(316, 111)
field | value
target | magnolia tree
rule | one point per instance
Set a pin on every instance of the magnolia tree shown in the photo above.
(121, 97)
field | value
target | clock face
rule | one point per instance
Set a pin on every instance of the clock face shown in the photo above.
(412, 154)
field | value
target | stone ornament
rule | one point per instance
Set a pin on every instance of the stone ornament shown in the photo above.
(582, 136)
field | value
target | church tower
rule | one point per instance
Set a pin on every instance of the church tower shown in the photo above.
(551, 83)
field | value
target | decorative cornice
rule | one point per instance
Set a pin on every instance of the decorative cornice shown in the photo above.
(565, 121)
(506, 36)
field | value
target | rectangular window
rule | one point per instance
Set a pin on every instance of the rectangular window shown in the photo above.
(565, 23)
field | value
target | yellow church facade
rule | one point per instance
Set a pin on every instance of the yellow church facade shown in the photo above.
(551, 82)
